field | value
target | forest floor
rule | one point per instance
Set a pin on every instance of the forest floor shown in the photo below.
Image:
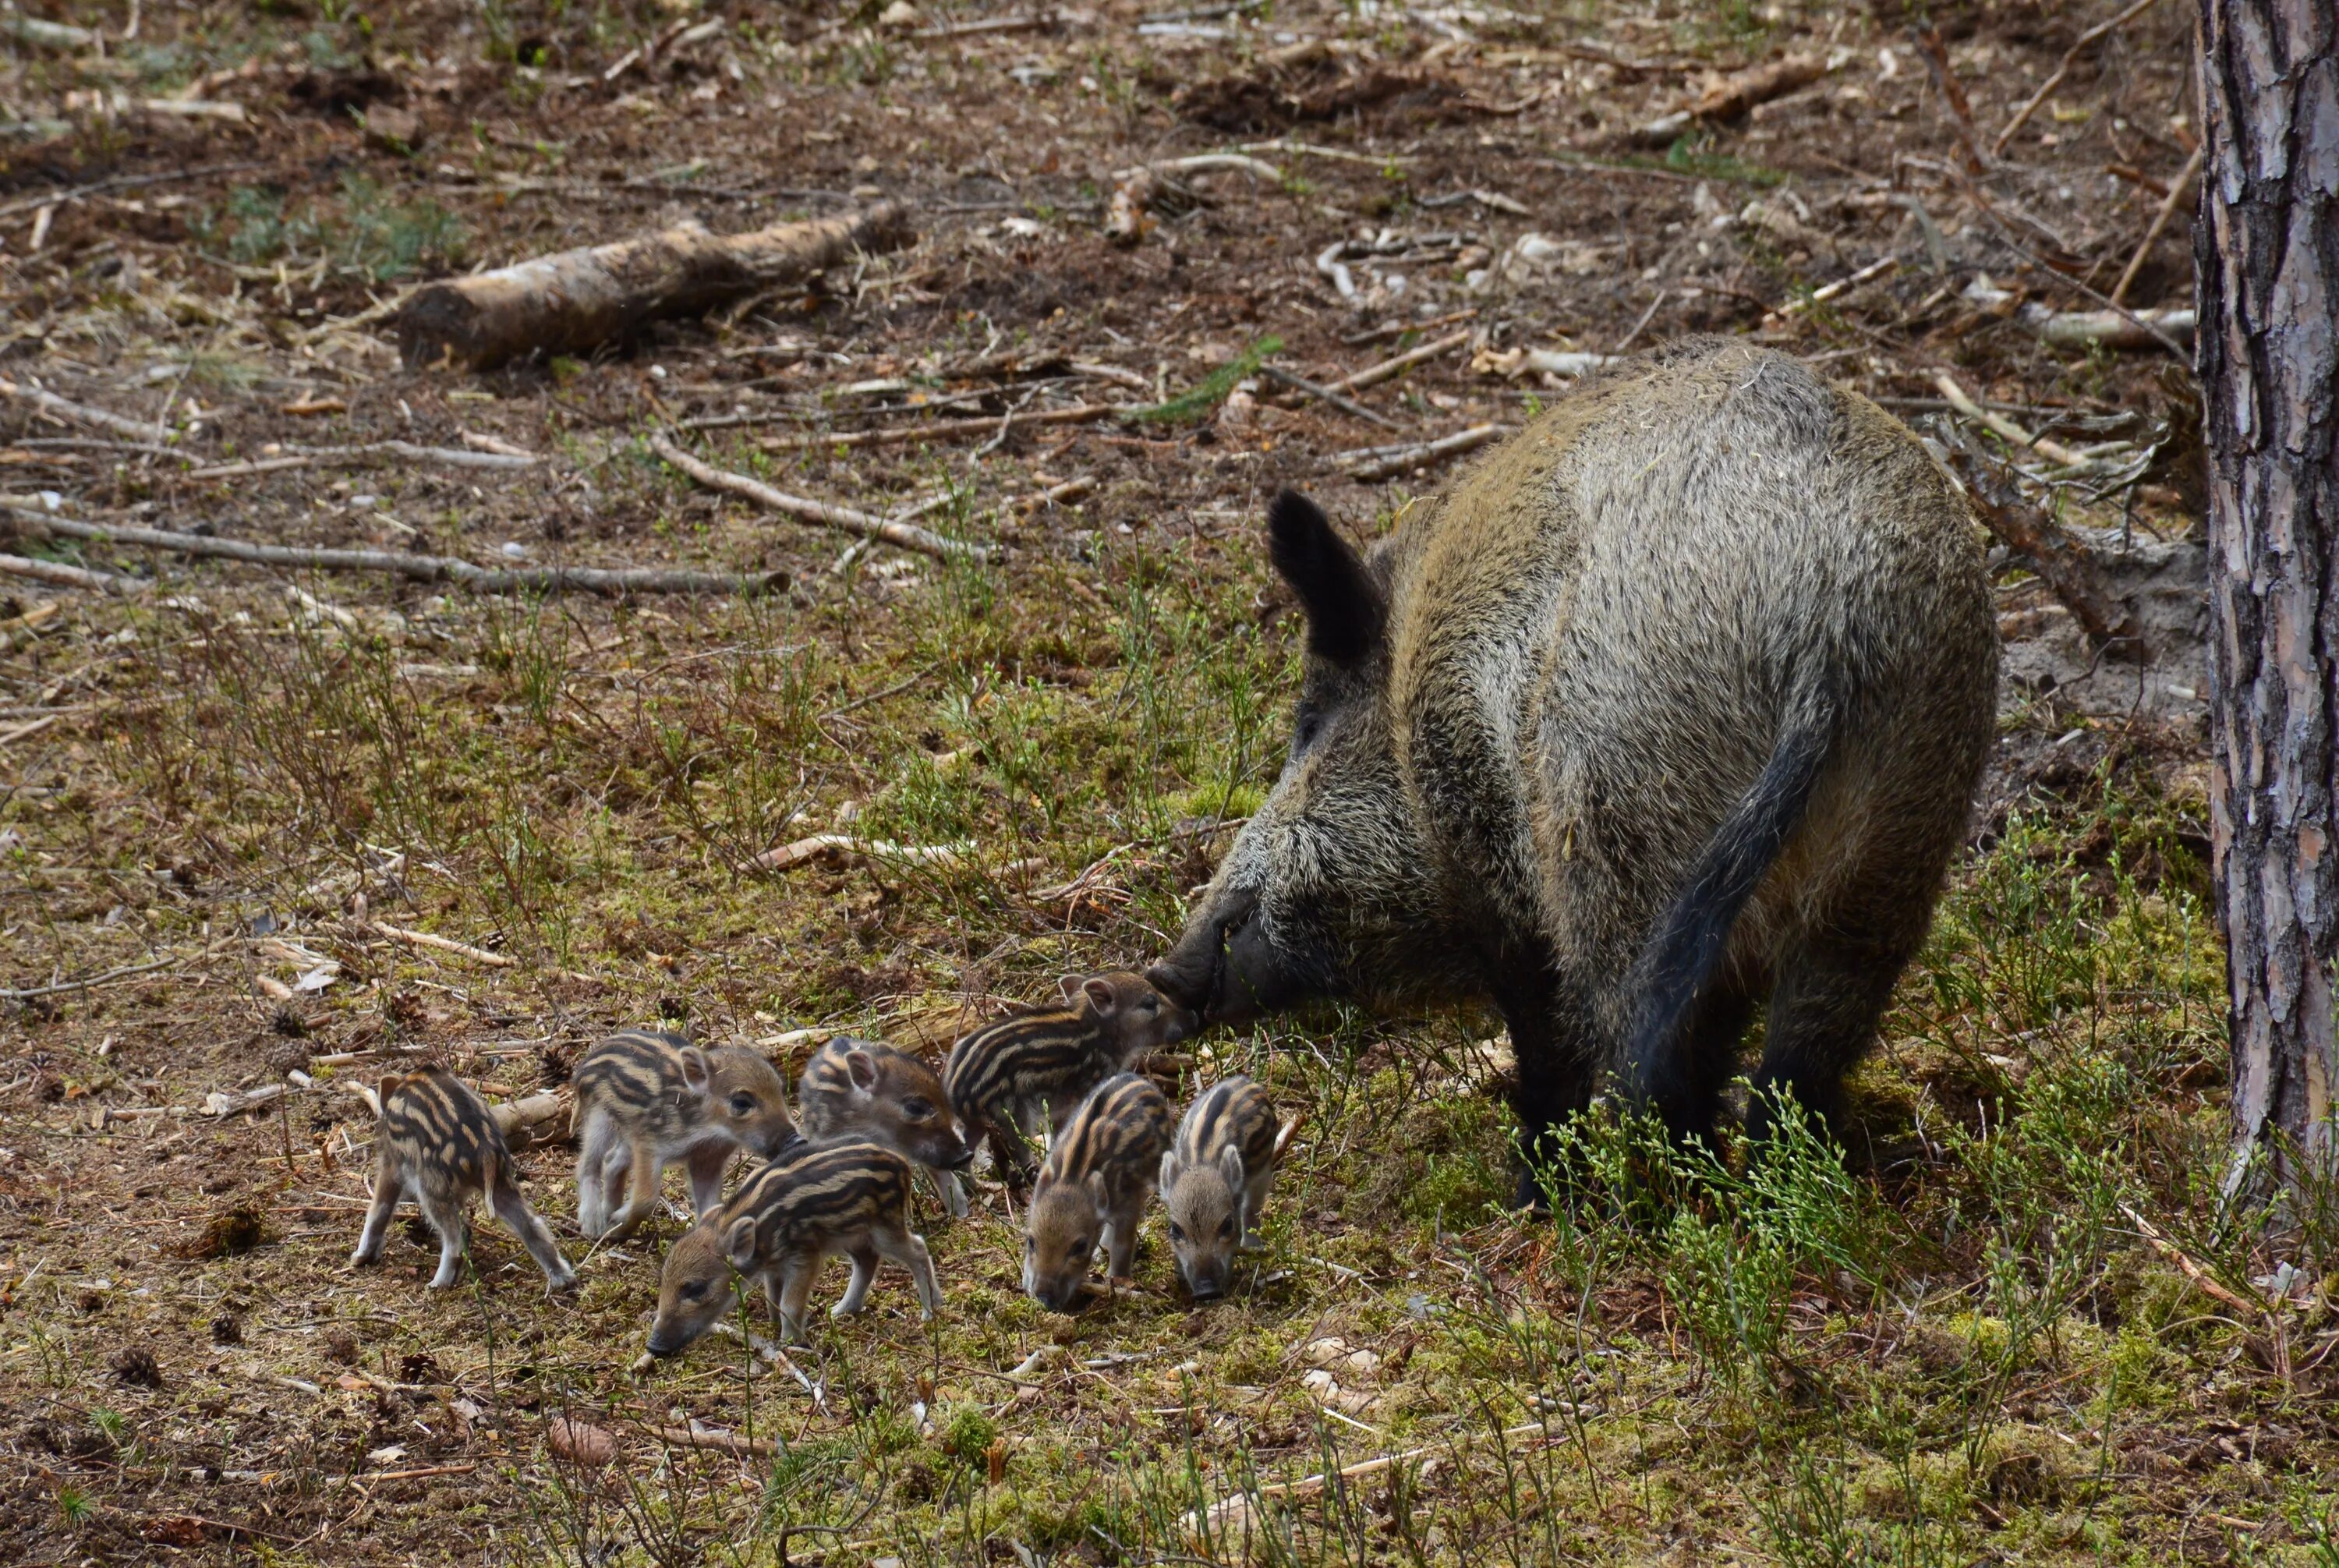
(2013, 1324)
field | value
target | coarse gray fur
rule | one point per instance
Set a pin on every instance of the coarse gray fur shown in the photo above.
(1676, 701)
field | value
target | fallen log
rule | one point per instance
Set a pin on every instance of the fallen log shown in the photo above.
(420, 568)
(524, 1123)
(1734, 95)
(888, 530)
(578, 299)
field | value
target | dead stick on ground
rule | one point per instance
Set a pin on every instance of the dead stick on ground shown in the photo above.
(420, 568)
(302, 457)
(72, 576)
(901, 435)
(80, 413)
(1381, 462)
(1374, 375)
(2070, 57)
(445, 944)
(1232, 1514)
(2159, 221)
(684, 1437)
(2193, 1271)
(1324, 394)
(2060, 560)
(902, 535)
(1999, 425)
(579, 299)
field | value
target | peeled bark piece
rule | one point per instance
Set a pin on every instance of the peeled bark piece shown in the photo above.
(578, 299)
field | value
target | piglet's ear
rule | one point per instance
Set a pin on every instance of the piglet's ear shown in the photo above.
(1230, 1166)
(739, 1242)
(694, 1070)
(862, 1068)
(1101, 995)
(1169, 1181)
(1344, 609)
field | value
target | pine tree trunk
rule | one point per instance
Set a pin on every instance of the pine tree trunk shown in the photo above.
(2268, 254)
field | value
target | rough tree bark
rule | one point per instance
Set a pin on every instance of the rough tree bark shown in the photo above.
(2266, 252)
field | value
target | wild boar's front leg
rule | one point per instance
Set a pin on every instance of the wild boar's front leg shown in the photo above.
(707, 1163)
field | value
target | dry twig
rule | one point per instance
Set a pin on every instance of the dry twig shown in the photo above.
(891, 531)
(420, 568)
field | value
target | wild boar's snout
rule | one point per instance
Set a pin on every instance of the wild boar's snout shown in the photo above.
(1197, 975)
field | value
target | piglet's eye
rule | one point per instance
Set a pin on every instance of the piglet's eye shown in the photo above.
(1176, 1232)
(695, 1291)
(917, 1109)
(1226, 1227)
(742, 1104)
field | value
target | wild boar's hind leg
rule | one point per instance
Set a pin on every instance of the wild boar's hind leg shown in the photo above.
(1823, 1014)
(512, 1209)
(387, 1191)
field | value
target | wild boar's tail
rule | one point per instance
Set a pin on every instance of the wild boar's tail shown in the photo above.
(1692, 934)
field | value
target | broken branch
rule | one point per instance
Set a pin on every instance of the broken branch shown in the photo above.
(2064, 564)
(1374, 375)
(843, 847)
(901, 535)
(2070, 57)
(2159, 221)
(579, 299)
(80, 413)
(1382, 462)
(64, 576)
(420, 568)
(1327, 396)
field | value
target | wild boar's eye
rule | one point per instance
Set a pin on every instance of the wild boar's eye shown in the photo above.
(1177, 1231)
(916, 1109)
(695, 1291)
(1226, 1227)
(742, 1104)
(1306, 724)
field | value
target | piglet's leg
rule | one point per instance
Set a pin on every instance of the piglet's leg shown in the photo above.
(707, 1164)
(953, 1192)
(513, 1210)
(641, 1192)
(796, 1278)
(387, 1190)
(1121, 1241)
(908, 1249)
(447, 1218)
(1255, 1205)
(856, 1289)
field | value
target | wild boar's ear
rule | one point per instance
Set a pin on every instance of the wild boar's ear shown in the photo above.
(694, 1070)
(1230, 1166)
(1345, 614)
(1168, 1182)
(862, 1068)
(739, 1242)
(1101, 995)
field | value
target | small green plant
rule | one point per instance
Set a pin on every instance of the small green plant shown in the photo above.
(1212, 389)
(73, 1505)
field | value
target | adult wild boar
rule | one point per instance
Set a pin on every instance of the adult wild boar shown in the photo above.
(1676, 702)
